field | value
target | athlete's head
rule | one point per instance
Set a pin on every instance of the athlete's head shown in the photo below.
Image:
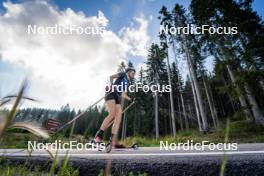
(131, 72)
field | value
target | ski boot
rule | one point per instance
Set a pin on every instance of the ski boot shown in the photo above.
(97, 140)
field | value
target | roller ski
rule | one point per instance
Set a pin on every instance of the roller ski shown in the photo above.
(115, 145)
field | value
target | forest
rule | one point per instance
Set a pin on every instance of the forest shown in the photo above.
(200, 100)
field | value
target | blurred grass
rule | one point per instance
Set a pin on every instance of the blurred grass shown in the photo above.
(240, 132)
(101, 173)
(7, 118)
(22, 170)
(25, 169)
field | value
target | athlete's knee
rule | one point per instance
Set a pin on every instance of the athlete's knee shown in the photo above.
(111, 115)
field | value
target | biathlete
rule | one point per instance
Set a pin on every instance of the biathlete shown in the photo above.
(113, 103)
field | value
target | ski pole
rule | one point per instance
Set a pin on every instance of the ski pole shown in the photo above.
(81, 114)
(131, 104)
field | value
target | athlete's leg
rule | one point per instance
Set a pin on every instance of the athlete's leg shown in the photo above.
(116, 125)
(110, 104)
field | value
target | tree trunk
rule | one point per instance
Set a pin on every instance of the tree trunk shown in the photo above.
(156, 114)
(171, 98)
(197, 88)
(178, 78)
(213, 103)
(220, 97)
(230, 98)
(261, 82)
(135, 121)
(242, 99)
(184, 113)
(196, 106)
(258, 116)
(180, 115)
(212, 109)
(190, 114)
(219, 105)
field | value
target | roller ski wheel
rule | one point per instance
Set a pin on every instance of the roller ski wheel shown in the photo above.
(96, 145)
(108, 147)
(134, 146)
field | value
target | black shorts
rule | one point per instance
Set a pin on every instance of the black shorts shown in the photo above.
(113, 96)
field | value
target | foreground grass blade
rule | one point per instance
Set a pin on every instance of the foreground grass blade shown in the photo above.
(224, 162)
(54, 165)
(15, 96)
(38, 131)
(11, 115)
(3, 102)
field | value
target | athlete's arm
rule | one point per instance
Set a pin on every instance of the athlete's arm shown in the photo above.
(112, 77)
(125, 96)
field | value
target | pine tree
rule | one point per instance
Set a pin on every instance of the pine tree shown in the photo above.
(241, 51)
(179, 19)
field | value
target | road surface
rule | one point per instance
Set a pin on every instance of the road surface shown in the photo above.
(247, 160)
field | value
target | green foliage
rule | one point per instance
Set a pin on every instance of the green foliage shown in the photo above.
(239, 131)
(129, 174)
(25, 169)
(21, 170)
(138, 174)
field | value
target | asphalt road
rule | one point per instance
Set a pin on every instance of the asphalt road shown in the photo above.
(247, 160)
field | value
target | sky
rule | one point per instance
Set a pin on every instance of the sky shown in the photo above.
(74, 69)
